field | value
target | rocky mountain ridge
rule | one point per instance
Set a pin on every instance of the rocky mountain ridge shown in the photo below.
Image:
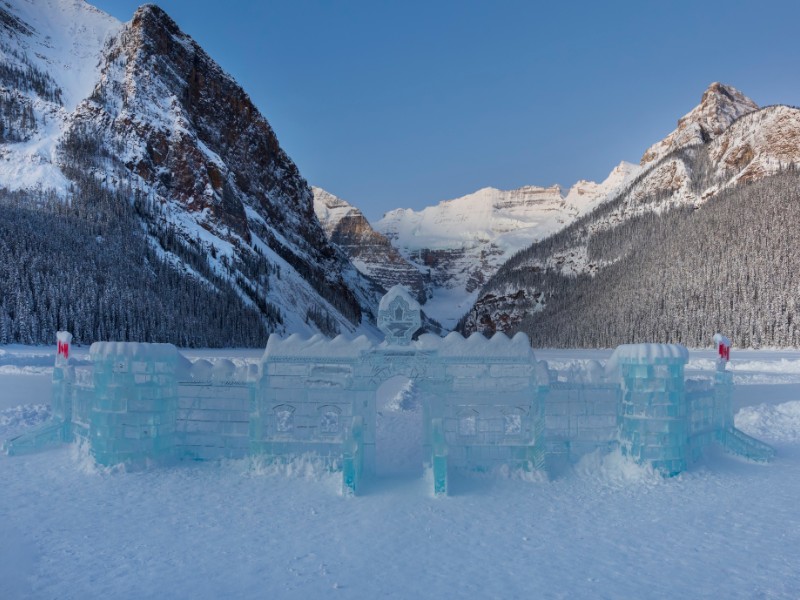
(370, 252)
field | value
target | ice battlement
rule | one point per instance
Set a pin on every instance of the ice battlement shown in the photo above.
(649, 354)
(485, 403)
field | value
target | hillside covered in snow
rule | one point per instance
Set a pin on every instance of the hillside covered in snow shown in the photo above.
(130, 163)
(703, 239)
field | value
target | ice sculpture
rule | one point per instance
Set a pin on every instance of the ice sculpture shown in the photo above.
(666, 426)
(485, 403)
(399, 316)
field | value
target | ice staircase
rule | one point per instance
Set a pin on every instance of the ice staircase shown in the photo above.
(739, 443)
(49, 434)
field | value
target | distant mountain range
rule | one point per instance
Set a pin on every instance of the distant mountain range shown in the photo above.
(591, 266)
(457, 245)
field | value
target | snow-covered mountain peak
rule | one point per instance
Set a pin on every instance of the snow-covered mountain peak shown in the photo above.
(143, 109)
(64, 39)
(482, 215)
(719, 107)
(51, 52)
(331, 209)
(460, 243)
(586, 195)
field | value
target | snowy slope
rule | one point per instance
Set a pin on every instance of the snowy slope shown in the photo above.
(602, 529)
(62, 41)
(143, 110)
(724, 141)
(67, 43)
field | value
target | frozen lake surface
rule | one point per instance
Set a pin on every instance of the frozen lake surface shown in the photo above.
(604, 529)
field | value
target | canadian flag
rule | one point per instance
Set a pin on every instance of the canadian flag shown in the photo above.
(723, 346)
(64, 340)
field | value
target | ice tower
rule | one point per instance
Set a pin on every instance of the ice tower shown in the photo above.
(133, 419)
(653, 416)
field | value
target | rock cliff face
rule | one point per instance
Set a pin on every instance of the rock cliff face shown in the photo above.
(724, 142)
(370, 251)
(153, 116)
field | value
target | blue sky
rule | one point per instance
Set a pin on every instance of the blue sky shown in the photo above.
(403, 104)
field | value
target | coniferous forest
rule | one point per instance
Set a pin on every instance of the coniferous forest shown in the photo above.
(86, 266)
(731, 265)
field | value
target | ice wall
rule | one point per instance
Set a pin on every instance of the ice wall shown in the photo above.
(485, 403)
(581, 418)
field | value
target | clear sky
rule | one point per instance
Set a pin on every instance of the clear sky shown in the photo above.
(404, 104)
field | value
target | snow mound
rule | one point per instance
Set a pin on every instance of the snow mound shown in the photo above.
(615, 469)
(15, 420)
(771, 421)
(405, 399)
(81, 455)
(309, 467)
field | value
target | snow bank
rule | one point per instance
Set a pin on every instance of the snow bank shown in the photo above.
(615, 469)
(16, 419)
(779, 422)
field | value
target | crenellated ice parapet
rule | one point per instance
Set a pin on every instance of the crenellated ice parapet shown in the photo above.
(298, 347)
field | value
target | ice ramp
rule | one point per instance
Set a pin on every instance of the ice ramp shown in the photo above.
(738, 442)
(51, 433)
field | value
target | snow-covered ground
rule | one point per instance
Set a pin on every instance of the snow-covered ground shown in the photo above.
(241, 529)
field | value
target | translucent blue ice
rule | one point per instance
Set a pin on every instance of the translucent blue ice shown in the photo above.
(485, 403)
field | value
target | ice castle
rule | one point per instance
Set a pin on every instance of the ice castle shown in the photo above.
(485, 403)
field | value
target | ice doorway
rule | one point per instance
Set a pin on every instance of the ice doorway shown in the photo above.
(398, 428)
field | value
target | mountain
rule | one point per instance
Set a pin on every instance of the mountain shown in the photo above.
(719, 107)
(458, 244)
(369, 251)
(135, 123)
(617, 274)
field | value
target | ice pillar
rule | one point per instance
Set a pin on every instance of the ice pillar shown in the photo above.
(723, 385)
(63, 378)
